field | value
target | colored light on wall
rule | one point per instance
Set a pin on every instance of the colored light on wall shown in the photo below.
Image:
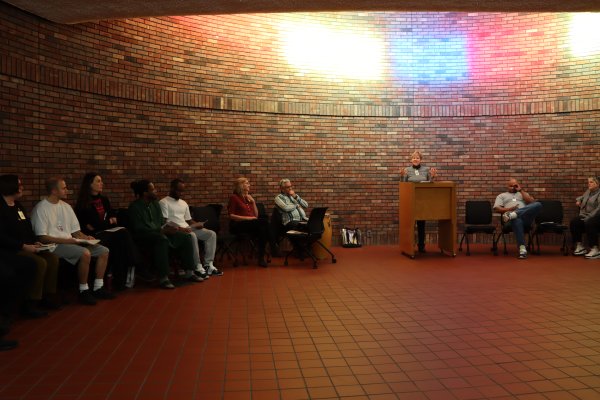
(585, 34)
(431, 59)
(333, 52)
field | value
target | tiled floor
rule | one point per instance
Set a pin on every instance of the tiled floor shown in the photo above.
(376, 325)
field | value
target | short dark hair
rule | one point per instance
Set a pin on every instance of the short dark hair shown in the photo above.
(140, 187)
(9, 185)
(52, 183)
(175, 182)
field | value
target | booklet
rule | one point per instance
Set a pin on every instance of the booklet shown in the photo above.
(116, 228)
(171, 224)
(46, 247)
(88, 241)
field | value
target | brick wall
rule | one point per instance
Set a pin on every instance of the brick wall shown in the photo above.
(211, 98)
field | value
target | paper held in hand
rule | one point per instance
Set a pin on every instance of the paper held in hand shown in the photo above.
(46, 247)
(88, 241)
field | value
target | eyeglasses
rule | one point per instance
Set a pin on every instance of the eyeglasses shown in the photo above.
(288, 187)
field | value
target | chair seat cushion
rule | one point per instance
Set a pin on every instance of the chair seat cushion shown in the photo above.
(296, 233)
(551, 227)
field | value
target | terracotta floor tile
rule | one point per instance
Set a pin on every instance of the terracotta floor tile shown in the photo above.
(478, 327)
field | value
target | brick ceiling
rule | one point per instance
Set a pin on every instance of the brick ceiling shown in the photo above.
(76, 11)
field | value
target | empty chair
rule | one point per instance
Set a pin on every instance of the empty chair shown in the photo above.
(211, 214)
(478, 219)
(302, 241)
(550, 220)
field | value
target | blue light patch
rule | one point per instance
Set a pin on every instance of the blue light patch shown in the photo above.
(430, 60)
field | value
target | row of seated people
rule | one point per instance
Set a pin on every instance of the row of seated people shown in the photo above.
(31, 248)
(519, 209)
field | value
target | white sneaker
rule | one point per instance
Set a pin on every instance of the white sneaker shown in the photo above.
(212, 270)
(594, 253)
(201, 272)
(522, 252)
(507, 216)
(579, 250)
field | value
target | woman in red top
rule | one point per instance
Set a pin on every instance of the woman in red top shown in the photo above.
(244, 217)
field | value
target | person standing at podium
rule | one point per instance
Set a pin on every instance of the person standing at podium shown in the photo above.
(418, 173)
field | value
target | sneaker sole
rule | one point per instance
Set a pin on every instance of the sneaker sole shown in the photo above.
(593, 257)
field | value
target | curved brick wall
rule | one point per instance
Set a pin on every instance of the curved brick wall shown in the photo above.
(485, 96)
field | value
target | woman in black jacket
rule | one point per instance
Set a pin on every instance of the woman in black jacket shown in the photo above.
(18, 240)
(97, 218)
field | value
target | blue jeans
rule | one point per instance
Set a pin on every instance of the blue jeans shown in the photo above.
(525, 217)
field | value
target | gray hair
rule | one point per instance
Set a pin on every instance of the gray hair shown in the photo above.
(283, 182)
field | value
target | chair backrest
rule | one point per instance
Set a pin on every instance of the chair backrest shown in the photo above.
(478, 212)
(276, 222)
(315, 221)
(123, 217)
(262, 211)
(208, 214)
(552, 211)
(276, 217)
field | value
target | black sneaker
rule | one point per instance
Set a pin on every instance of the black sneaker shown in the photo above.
(212, 270)
(166, 284)
(201, 274)
(103, 294)
(8, 344)
(33, 313)
(86, 297)
(48, 304)
(194, 278)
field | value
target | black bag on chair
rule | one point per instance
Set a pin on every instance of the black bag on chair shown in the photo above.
(351, 237)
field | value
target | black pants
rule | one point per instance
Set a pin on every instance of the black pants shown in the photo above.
(258, 229)
(16, 276)
(421, 234)
(123, 254)
(578, 226)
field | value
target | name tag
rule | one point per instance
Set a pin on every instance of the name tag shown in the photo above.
(21, 215)
(416, 172)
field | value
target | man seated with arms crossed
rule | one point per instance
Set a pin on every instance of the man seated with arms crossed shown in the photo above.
(176, 210)
(54, 221)
(291, 206)
(520, 208)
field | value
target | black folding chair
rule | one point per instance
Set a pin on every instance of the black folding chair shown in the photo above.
(302, 242)
(506, 229)
(478, 219)
(550, 220)
(211, 214)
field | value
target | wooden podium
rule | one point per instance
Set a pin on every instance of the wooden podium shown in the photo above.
(434, 201)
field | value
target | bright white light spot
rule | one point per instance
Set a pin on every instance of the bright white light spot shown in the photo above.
(332, 52)
(585, 34)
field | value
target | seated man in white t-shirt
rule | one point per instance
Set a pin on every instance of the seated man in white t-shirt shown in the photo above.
(54, 221)
(175, 210)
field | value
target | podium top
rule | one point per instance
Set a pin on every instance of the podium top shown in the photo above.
(434, 183)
